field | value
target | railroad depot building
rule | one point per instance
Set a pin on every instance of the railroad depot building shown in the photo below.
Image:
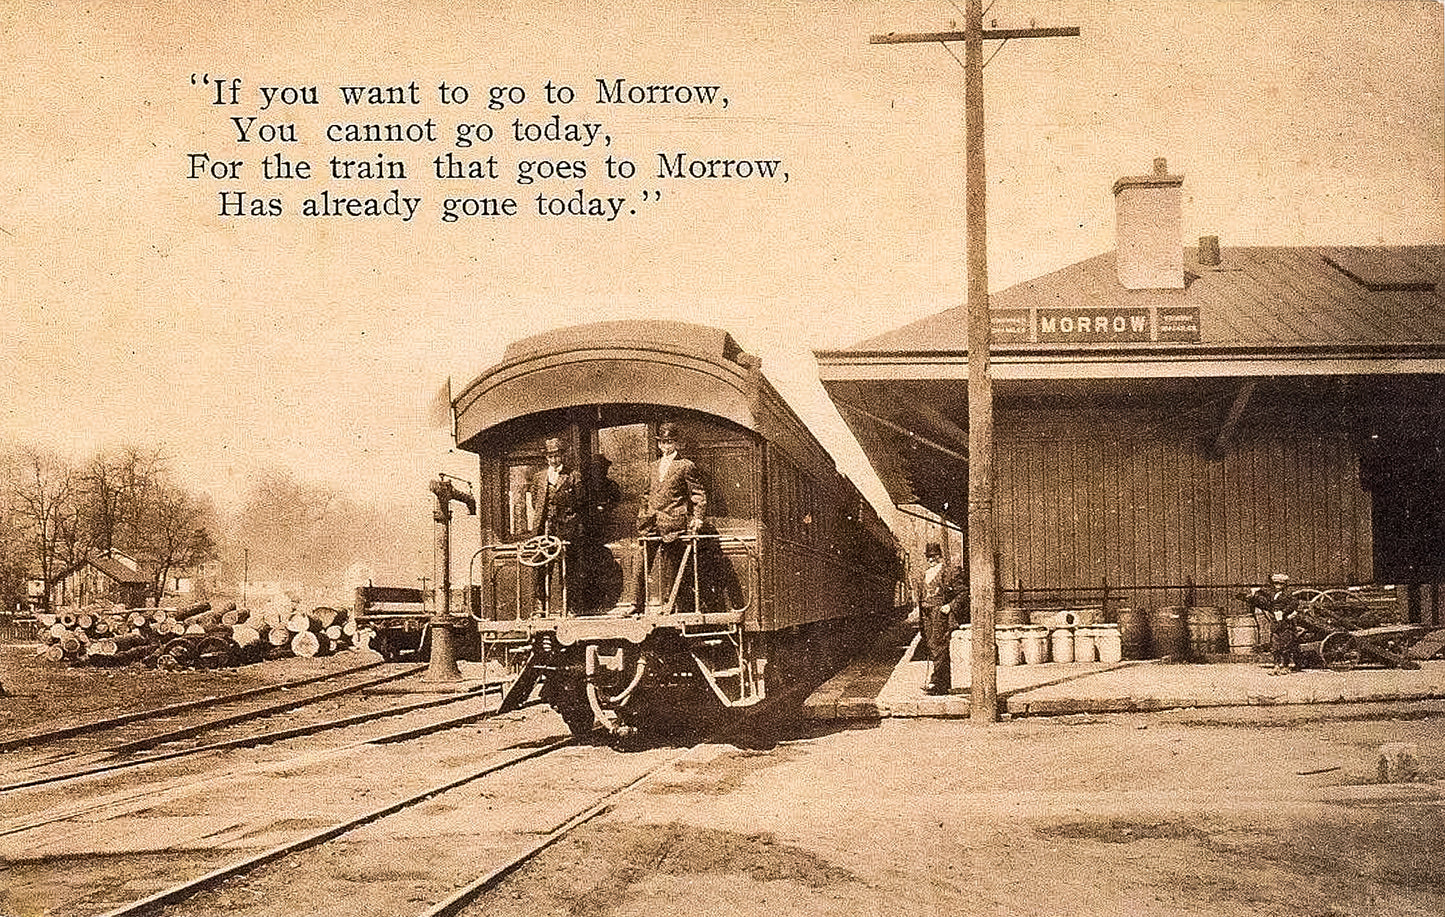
(1175, 423)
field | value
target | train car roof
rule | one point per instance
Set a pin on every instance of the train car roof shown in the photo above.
(664, 363)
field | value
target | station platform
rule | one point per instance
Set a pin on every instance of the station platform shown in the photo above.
(884, 684)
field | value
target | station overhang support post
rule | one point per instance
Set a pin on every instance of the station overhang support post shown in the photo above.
(982, 524)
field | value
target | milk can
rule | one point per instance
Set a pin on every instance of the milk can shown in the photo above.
(1108, 642)
(1035, 642)
(1062, 640)
(1010, 648)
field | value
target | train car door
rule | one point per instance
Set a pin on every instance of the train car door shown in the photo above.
(618, 466)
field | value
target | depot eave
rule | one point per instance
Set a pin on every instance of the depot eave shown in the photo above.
(1152, 363)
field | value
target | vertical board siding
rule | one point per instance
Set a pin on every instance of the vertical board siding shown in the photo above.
(1147, 505)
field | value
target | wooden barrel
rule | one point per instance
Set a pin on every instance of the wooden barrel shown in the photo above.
(1011, 615)
(1169, 632)
(1243, 634)
(1207, 634)
(1133, 633)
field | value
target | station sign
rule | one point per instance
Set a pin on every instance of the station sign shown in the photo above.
(1081, 326)
(1096, 325)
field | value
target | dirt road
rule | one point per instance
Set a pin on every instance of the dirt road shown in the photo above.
(1120, 815)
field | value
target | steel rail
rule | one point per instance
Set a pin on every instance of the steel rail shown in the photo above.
(219, 723)
(65, 732)
(467, 893)
(186, 889)
(278, 735)
(232, 719)
(132, 800)
(461, 897)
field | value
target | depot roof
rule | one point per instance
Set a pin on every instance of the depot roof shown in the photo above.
(1374, 313)
(1259, 310)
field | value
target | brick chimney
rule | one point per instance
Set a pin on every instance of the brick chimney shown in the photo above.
(1150, 230)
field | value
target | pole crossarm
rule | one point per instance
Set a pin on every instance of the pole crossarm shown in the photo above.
(907, 38)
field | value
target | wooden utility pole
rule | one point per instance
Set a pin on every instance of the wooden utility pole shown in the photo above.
(982, 527)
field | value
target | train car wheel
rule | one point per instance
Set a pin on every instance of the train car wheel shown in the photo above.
(569, 699)
(579, 718)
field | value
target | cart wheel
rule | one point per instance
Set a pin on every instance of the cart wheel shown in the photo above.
(1336, 597)
(1338, 651)
(539, 550)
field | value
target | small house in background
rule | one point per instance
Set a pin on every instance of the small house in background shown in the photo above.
(34, 594)
(102, 577)
(194, 582)
(1175, 423)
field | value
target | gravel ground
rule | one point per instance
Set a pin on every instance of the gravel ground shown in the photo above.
(1114, 815)
(46, 695)
(1242, 812)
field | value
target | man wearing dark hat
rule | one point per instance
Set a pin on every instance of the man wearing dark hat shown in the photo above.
(552, 509)
(1280, 606)
(936, 591)
(675, 502)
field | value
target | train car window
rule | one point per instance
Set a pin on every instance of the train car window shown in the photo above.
(519, 475)
(725, 461)
(728, 473)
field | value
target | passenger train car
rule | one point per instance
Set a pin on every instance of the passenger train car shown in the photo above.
(789, 570)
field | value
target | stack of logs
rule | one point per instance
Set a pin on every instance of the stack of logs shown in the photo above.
(197, 636)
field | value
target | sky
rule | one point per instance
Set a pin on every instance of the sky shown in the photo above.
(135, 312)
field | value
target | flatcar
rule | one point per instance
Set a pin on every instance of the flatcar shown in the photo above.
(763, 571)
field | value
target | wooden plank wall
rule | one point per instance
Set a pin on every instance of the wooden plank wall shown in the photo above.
(1140, 500)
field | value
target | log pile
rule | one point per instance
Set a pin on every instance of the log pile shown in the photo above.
(197, 636)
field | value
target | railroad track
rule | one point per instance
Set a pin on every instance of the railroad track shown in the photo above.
(487, 813)
(130, 800)
(451, 839)
(41, 757)
(93, 727)
(122, 757)
(449, 894)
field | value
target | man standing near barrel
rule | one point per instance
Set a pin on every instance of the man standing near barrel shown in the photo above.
(1279, 604)
(936, 591)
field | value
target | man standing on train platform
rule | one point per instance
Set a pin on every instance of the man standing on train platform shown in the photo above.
(936, 592)
(552, 509)
(1280, 606)
(675, 502)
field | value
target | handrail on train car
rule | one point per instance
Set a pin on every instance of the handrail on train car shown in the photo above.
(691, 555)
(689, 561)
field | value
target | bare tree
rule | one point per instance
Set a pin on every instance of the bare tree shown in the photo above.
(114, 486)
(14, 546)
(291, 528)
(174, 530)
(309, 532)
(41, 489)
